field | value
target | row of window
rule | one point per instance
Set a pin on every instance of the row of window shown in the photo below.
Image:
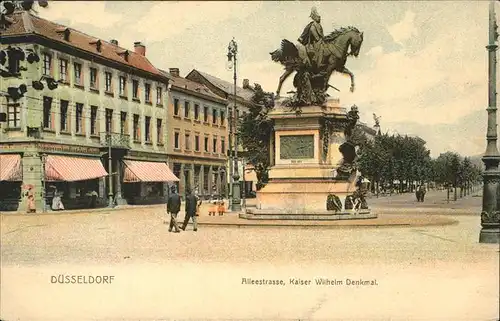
(79, 118)
(78, 76)
(196, 112)
(206, 141)
(14, 116)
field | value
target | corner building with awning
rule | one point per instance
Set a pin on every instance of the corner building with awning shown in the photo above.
(101, 131)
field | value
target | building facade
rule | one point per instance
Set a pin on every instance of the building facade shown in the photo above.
(244, 95)
(197, 137)
(108, 99)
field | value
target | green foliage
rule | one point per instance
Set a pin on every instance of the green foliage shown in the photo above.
(395, 157)
(255, 130)
(358, 137)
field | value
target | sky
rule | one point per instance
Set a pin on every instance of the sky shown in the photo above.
(422, 66)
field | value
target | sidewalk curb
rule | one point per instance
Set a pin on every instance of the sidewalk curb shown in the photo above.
(84, 211)
(428, 211)
(338, 226)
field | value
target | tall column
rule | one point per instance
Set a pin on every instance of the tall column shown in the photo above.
(490, 214)
(272, 149)
(219, 181)
(167, 185)
(191, 176)
(201, 180)
(210, 179)
(223, 181)
(32, 175)
(182, 181)
(118, 183)
(102, 187)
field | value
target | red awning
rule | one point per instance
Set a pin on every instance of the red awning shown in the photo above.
(147, 172)
(71, 169)
(10, 168)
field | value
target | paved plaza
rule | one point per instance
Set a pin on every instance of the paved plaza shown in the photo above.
(427, 272)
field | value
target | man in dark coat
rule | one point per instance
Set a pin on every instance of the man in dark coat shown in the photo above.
(422, 193)
(173, 208)
(191, 202)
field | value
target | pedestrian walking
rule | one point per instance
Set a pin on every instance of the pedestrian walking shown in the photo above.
(173, 208)
(418, 193)
(422, 193)
(30, 205)
(191, 204)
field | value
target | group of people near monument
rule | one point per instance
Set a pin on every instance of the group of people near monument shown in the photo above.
(192, 209)
(217, 206)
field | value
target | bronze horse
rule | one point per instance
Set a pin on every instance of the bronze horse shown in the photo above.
(335, 50)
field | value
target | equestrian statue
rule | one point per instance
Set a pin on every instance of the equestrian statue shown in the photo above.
(315, 58)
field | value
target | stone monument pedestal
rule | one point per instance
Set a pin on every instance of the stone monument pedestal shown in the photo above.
(305, 158)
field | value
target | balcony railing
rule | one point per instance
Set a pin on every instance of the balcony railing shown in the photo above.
(117, 140)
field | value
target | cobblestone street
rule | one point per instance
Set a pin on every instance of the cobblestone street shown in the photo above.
(422, 272)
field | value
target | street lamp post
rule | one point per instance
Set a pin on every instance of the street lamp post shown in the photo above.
(234, 189)
(44, 183)
(244, 193)
(110, 172)
(490, 215)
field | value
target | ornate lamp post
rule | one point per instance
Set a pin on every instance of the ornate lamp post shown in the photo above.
(110, 163)
(490, 215)
(44, 183)
(234, 187)
(243, 194)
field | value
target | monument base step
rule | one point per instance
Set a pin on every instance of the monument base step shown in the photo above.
(255, 214)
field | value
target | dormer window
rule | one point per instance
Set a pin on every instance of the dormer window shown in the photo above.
(65, 33)
(97, 44)
(124, 54)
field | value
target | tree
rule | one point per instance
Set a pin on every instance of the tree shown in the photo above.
(11, 57)
(464, 175)
(394, 157)
(255, 130)
(358, 137)
(374, 155)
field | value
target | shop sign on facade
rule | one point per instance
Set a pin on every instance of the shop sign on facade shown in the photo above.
(50, 148)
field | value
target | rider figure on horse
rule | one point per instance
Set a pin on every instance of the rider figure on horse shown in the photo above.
(312, 39)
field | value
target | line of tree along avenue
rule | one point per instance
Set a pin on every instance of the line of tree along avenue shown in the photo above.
(392, 162)
(400, 163)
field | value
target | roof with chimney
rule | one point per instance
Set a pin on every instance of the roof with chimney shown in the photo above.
(193, 87)
(25, 23)
(225, 86)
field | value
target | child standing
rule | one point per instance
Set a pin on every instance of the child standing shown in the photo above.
(221, 207)
(212, 209)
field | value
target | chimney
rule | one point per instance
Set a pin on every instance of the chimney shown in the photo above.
(140, 48)
(114, 42)
(174, 72)
(246, 83)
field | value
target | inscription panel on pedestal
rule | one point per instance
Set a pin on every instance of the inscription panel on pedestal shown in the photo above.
(297, 147)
